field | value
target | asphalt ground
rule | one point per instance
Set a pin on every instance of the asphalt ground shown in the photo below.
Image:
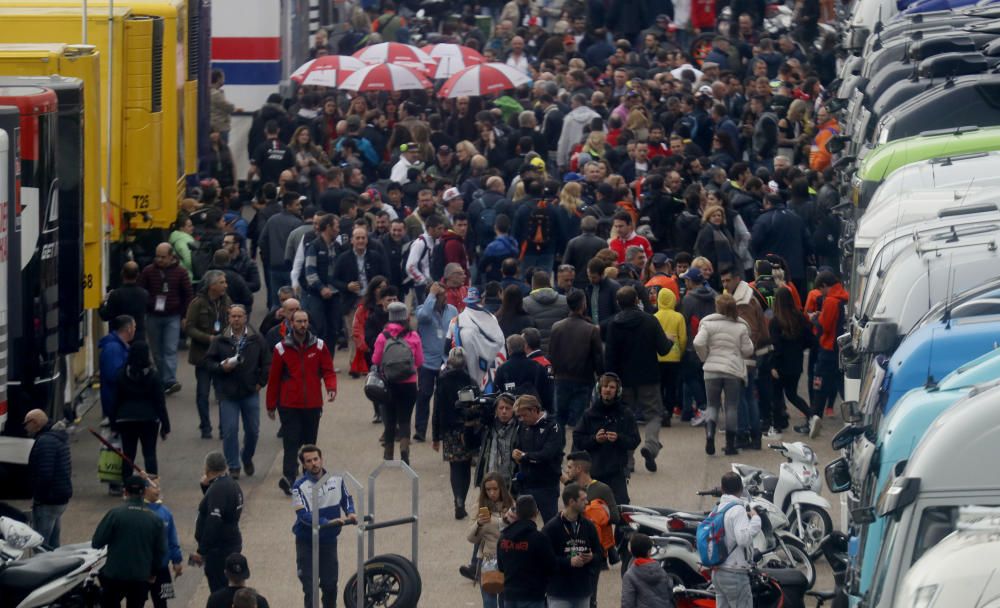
(350, 443)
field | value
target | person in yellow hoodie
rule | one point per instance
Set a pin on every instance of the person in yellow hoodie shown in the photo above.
(675, 328)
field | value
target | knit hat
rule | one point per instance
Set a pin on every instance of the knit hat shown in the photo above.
(397, 312)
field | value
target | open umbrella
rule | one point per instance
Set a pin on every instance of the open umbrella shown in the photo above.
(452, 58)
(385, 77)
(483, 79)
(396, 53)
(327, 71)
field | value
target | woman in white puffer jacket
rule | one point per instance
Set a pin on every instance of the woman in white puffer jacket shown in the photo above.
(722, 343)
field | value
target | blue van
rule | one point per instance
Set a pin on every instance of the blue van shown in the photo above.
(893, 442)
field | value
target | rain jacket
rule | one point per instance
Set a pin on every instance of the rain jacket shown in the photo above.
(673, 326)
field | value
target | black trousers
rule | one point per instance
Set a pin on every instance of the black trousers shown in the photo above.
(397, 413)
(113, 591)
(215, 568)
(328, 571)
(134, 432)
(790, 387)
(299, 426)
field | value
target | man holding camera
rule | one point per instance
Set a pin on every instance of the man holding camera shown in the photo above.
(239, 361)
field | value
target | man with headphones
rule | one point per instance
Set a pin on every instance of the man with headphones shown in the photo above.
(608, 432)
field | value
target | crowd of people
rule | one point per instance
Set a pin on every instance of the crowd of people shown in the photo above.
(627, 242)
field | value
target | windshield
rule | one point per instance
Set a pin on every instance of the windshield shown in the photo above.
(884, 558)
(972, 373)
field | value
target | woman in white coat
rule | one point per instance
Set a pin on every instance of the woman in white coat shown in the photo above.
(722, 343)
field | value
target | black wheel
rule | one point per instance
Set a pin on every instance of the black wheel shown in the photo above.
(407, 565)
(387, 585)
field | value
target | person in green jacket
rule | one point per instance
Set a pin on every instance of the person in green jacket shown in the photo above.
(181, 239)
(136, 548)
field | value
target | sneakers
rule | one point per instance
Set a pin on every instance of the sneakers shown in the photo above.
(802, 429)
(649, 458)
(173, 388)
(105, 422)
(697, 419)
(815, 423)
(285, 486)
(773, 433)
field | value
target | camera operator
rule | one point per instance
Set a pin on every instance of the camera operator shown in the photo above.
(239, 360)
(497, 440)
(451, 424)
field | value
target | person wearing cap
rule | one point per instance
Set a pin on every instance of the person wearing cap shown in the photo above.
(662, 277)
(334, 507)
(237, 572)
(217, 529)
(163, 588)
(445, 166)
(136, 547)
(397, 412)
(409, 157)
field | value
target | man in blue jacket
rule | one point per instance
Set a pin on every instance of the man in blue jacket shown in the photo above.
(336, 507)
(433, 318)
(114, 351)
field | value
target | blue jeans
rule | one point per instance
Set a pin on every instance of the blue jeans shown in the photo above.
(692, 384)
(164, 334)
(492, 601)
(426, 381)
(45, 521)
(279, 278)
(547, 499)
(541, 261)
(202, 393)
(572, 398)
(231, 410)
(749, 408)
(569, 602)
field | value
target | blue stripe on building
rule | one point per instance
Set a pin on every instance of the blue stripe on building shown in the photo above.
(250, 72)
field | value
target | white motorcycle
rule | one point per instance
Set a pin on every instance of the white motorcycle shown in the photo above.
(795, 490)
(62, 578)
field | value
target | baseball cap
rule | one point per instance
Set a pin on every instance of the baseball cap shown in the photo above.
(237, 566)
(472, 296)
(659, 259)
(538, 163)
(451, 194)
(708, 65)
(694, 274)
(572, 177)
(444, 149)
(135, 482)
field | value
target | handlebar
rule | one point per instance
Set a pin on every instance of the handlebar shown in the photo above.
(776, 446)
(339, 524)
(713, 492)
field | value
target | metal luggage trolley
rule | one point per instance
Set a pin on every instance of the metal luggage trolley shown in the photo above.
(386, 577)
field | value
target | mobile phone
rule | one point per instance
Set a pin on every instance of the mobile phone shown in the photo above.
(484, 511)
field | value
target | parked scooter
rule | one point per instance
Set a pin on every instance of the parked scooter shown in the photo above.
(60, 578)
(771, 588)
(795, 490)
(833, 548)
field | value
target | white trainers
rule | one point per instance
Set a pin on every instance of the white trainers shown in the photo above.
(814, 426)
(772, 433)
(697, 419)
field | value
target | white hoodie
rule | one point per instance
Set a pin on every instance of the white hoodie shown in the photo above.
(572, 132)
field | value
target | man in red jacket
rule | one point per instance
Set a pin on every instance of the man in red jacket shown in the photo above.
(624, 236)
(300, 367)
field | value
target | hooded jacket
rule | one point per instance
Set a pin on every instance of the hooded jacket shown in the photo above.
(749, 309)
(572, 132)
(673, 325)
(525, 557)
(51, 467)
(635, 340)
(298, 373)
(114, 352)
(830, 316)
(723, 344)
(697, 304)
(522, 376)
(609, 460)
(546, 307)
(646, 585)
(140, 398)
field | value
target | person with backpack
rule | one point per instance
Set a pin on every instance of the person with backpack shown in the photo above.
(725, 541)
(398, 353)
(420, 255)
(538, 229)
(501, 247)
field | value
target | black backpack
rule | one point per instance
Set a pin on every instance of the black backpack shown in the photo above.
(202, 253)
(438, 261)
(539, 227)
(604, 221)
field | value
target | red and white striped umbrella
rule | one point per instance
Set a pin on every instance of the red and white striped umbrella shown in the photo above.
(483, 79)
(327, 71)
(385, 77)
(452, 58)
(396, 53)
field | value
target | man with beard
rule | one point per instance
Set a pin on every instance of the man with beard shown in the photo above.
(608, 434)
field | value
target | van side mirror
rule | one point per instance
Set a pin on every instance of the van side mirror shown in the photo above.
(850, 411)
(838, 476)
(837, 143)
(846, 435)
(863, 516)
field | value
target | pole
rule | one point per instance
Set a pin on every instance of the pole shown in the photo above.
(84, 14)
(315, 537)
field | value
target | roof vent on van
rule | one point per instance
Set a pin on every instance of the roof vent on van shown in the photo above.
(952, 64)
(950, 131)
(948, 160)
(970, 210)
(935, 45)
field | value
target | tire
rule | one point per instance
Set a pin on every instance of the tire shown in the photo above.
(795, 555)
(407, 565)
(816, 523)
(387, 585)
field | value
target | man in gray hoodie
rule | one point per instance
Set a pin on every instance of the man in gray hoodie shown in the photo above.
(545, 305)
(573, 128)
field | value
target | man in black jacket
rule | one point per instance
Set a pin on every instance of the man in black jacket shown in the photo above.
(634, 341)
(217, 530)
(520, 375)
(239, 361)
(525, 557)
(577, 550)
(538, 451)
(577, 356)
(347, 275)
(236, 287)
(240, 262)
(781, 231)
(608, 433)
(127, 299)
(50, 465)
(601, 303)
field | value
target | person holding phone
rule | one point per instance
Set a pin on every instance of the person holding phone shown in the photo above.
(495, 504)
(575, 543)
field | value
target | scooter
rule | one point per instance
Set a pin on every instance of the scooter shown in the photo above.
(771, 588)
(676, 545)
(795, 490)
(64, 577)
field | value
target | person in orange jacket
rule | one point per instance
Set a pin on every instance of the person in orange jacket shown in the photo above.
(819, 157)
(831, 319)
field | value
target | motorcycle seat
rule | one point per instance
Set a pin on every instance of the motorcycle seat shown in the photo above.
(33, 573)
(681, 514)
(787, 577)
(822, 595)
